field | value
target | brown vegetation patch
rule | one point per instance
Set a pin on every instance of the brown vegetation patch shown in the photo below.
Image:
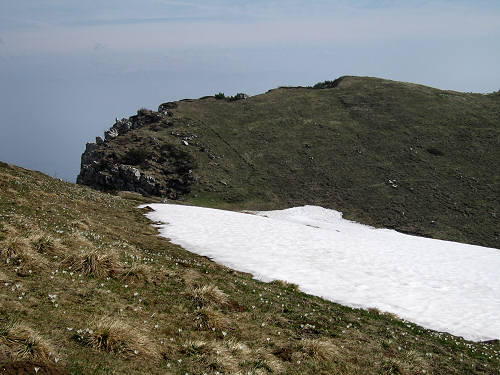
(110, 334)
(138, 271)
(95, 263)
(209, 295)
(21, 342)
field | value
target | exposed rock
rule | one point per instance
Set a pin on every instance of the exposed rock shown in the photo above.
(110, 134)
(123, 125)
(152, 167)
(165, 106)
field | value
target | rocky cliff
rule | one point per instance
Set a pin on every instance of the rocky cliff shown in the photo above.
(124, 161)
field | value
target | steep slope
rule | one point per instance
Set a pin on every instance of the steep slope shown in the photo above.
(389, 154)
(87, 287)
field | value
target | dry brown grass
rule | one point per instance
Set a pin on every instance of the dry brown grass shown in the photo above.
(209, 295)
(190, 276)
(207, 318)
(138, 271)
(319, 349)
(23, 343)
(82, 224)
(17, 251)
(213, 355)
(77, 241)
(287, 285)
(96, 263)
(45, 244)
(113, 335)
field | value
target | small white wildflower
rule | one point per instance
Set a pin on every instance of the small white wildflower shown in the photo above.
(224, 333)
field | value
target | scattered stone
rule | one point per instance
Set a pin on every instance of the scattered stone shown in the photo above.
(110, 134)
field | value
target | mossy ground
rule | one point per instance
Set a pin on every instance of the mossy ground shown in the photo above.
(149, 307)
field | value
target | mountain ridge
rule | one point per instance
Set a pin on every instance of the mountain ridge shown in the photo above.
(385, 153)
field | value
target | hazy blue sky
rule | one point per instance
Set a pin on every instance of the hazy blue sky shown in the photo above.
(68, 68)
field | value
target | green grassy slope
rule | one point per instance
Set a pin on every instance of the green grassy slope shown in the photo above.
(87, 287)
(385, 153)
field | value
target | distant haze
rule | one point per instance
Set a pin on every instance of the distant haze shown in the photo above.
(68, 68)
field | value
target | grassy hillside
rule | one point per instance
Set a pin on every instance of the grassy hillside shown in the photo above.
(87, 287)
(390, 154)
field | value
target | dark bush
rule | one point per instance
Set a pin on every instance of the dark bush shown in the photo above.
(238, 96)
(324, 85)
(328, 84)
(143, 112)
(220, 95)
(136, 156)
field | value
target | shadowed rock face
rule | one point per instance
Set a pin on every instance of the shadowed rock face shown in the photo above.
(150, 167)
(388, 154)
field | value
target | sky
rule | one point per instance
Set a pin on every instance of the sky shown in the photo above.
(68, 68)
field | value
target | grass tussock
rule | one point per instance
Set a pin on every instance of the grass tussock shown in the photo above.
(18, 251)
(112, 335)
(207, 295)
(208, 318)
(23, 343)
(212, 355)
(45, 244)
(95, 263)
(138, 272)
(318, 349)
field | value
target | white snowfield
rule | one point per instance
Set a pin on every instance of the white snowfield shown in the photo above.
(441, 285)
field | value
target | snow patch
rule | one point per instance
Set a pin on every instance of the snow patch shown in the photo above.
(441, 285)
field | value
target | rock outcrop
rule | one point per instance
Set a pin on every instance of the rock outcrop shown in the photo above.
(146, 166)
